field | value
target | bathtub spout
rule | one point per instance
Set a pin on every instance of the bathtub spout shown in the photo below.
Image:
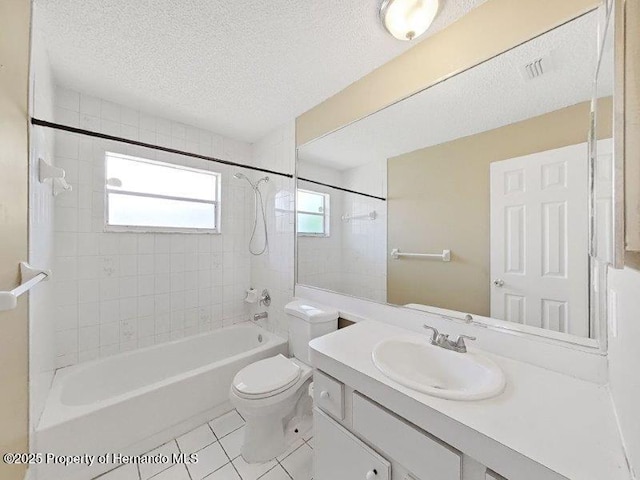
(260, 316)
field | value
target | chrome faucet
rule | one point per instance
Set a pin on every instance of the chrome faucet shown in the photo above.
(260, 316)
(442, 340)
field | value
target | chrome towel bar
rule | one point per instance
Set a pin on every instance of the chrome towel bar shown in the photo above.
(445, 256)
(367, 216)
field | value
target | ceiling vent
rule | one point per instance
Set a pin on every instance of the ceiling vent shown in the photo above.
(536, 68)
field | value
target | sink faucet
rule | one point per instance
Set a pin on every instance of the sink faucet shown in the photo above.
(442, 340)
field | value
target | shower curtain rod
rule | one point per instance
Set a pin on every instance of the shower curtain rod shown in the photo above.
(89, 133)
(342, 189)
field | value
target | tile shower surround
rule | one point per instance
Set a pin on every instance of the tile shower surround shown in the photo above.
(353, 259)
(121, 291)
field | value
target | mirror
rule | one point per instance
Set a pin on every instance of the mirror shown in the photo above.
(480, 195)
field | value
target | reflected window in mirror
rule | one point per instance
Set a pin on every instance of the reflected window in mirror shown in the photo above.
(313, 213)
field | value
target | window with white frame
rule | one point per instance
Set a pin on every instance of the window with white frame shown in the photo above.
(313, 213)
(146, 195)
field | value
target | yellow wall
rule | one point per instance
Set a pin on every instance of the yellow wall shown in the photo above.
(488, 30)
(632, 131)
(438, 197)
(14, 76)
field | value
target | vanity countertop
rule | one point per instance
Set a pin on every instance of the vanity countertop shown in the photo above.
(565, 425)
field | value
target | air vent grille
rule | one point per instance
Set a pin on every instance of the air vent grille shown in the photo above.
(534, 69)
(537, 67)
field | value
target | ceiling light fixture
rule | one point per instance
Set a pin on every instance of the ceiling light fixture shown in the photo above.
(408, 19)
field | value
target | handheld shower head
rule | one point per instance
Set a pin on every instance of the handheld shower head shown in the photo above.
(241, 176)
(259, 210)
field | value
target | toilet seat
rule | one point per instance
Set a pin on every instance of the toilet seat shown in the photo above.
(266, 378)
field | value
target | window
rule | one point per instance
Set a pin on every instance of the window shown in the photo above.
(146, 195)
(313, 213)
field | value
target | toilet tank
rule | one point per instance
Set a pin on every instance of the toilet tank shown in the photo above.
(308, 320)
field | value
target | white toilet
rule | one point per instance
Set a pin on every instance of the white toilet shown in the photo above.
(273, 394)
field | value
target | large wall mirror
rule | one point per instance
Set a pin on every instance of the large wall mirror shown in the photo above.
(487, 196)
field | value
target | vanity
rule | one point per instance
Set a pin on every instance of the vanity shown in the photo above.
(371, 427)
(486, 202)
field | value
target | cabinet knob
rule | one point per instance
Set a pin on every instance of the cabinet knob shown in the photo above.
(371, 474)
(325, 395)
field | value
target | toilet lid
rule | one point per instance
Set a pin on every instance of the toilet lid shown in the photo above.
(266, 376)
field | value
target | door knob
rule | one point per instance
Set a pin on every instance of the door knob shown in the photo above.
(498, 282)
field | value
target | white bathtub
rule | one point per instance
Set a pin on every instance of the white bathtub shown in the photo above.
(131, 402)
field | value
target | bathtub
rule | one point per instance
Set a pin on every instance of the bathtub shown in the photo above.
(131, 402)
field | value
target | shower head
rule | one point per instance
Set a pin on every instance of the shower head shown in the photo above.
(241, 176)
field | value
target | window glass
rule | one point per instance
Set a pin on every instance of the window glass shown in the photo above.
(312, 213)
(153, 195)
(310, 201)
(310, 223)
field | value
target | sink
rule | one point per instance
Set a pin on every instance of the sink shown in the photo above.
(416, 364)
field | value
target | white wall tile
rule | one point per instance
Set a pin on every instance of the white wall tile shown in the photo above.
(119, 291)
(90, 105)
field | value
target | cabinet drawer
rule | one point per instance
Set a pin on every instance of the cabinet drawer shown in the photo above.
(338, 455)
(328, 394)
(423, 455)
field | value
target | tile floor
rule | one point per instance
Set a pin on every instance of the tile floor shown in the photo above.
(217, 444)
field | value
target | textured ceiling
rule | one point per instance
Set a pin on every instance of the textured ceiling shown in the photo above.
(240, 68)
(488, 96)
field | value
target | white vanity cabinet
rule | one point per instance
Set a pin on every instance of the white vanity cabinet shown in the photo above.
(355, 438)
(340, 455)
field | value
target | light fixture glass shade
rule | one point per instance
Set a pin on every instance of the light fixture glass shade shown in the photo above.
(408, 19)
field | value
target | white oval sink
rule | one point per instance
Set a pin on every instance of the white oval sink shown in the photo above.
(426, 368)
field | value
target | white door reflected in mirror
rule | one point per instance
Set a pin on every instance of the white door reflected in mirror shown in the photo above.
(540, 240)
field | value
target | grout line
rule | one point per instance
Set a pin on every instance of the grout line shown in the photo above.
(167, 467)
(216, 470)
(180, 450)
(225, 451)
(212, 431)
(207, 446)
(265, 473)
(285, 470)
(293, 451)
(234, 467)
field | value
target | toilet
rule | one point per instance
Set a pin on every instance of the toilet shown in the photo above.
(273, 394)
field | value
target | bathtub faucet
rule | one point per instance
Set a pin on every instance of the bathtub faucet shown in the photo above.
(260, 316)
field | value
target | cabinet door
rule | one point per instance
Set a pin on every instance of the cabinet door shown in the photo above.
(338, 455)
(422, 454)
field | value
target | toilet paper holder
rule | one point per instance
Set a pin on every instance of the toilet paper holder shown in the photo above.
(263, 299)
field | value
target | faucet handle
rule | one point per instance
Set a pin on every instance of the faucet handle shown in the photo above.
(460, 341)
(434, 333)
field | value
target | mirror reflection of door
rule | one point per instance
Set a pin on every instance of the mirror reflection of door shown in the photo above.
(540, 238)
